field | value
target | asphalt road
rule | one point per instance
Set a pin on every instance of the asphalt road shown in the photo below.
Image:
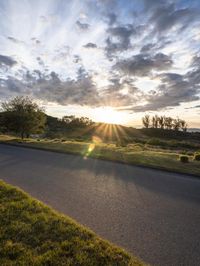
(153, 214)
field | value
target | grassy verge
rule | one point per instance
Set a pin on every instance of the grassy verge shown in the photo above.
(136, 154)
(33, 234)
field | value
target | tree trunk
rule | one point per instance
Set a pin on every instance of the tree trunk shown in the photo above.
(22, 135)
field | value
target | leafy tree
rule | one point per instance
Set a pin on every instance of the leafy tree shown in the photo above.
(146, 121)
(73, 121)
(23, 116)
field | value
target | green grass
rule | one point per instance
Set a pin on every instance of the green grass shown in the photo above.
(136, 153)
(34, 234)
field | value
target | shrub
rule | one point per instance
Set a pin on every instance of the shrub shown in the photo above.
(184, 158)
(197, 157)
(156, 142)
(121, 143)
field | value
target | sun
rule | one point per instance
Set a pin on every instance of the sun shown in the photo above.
(109, 115)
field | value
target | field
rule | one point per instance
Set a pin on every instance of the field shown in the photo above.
(34, 234)
(160, 154)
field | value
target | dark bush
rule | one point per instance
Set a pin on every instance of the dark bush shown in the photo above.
(184, 158)
(197, 157)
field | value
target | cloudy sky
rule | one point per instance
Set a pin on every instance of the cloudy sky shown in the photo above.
(110, 60)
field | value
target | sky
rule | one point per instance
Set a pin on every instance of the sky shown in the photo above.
(110, 60)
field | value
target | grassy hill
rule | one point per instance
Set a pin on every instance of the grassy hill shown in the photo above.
(111, 132)
(34, 234)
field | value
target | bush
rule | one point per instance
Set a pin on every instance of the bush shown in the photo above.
(156, 142)
(184, 158)
(197, 157)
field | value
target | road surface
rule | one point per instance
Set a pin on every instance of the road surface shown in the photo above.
(151, 213)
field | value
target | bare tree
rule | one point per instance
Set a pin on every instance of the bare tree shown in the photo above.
(183, 125)
(176, 124)
(155, 121)
(161, 121)
(146, 121)
(164, 122)
(168, 122)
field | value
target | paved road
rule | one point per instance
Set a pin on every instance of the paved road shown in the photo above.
(154, 214)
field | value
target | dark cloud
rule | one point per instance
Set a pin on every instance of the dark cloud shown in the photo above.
(152, 4)
(119, 38)
(79, 91)
(147, 47)
(142, 64)
(174, 90)
(82, 26)
(112, 18)
(165, 15)
(7, 61)
(90, 45)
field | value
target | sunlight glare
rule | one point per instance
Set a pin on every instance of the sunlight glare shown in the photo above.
(109, 115)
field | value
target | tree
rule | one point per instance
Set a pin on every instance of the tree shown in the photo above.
(155, 121)
(23, 116)
(74, 122)
(161, 122)
(183, 125)
(176, 124)
(168, 122)
(146, 121)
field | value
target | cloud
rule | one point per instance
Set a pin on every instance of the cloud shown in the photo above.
(147, 47)
(82, 26)
(112, 18)
(148, 42)
(193, 107)
(79, 91)
(120, 92)
(7, 61)
(90, 45)
(173, 90)
(119, 38)
(166, 15)
(14, 40)
(142, 64)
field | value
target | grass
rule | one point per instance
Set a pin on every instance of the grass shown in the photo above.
(135, 153)
(34, 234)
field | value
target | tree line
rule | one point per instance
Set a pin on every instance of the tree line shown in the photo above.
(73, 121)
(24, 117)
(164, 122)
